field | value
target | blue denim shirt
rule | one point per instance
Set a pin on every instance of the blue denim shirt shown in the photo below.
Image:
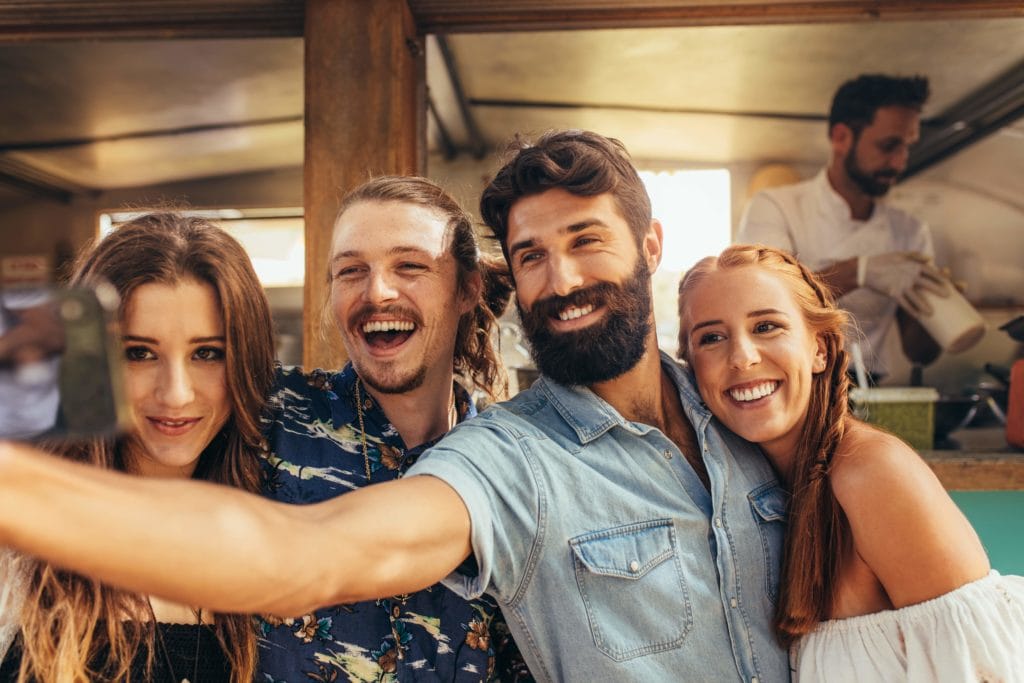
(609, 558)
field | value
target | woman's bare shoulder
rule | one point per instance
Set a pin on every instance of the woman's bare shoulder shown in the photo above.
(904, 524)
(869, 458)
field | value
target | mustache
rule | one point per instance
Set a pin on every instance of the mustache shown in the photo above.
(367, 311)
(553, 305)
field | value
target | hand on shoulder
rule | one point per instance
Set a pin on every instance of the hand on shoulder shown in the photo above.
(905, 526)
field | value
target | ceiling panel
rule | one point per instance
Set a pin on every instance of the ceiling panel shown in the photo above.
(778, 68)
(993, 167)
(106, 114)
(127, 113)
(93, 89)
(153, 160)
(687, 138)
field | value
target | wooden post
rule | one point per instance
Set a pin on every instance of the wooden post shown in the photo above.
(365, 116)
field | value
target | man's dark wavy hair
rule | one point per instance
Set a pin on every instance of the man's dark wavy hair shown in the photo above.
(577, 161)
(857, 100)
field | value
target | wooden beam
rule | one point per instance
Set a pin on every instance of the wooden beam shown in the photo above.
(472, 16)
(24, 20)
(365, 115)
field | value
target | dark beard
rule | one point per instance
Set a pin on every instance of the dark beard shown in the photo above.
(868, 183)
(602, 351)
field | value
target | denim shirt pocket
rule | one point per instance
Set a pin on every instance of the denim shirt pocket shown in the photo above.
(631, 581)
(768, 504)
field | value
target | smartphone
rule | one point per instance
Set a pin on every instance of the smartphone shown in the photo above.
(61, 375)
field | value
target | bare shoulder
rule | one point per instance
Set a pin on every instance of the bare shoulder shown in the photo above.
(871, 463)
(904, 525)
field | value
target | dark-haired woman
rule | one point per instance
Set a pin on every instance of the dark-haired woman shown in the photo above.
(198, 352)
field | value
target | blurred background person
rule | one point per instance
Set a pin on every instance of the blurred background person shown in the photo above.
(875, 257)
(30, 339)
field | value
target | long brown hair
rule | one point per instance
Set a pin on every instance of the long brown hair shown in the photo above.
(476, 358)
(68, 620)
(818, 535)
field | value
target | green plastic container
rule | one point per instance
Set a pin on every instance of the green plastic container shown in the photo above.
(907, 412)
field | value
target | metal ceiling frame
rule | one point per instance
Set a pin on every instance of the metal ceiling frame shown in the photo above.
(476, 140)
(607, 106)
(37, 145)
(448, 147)
(32, 181)
(983, 112)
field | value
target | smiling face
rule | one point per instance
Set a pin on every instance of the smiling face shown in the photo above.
(582, 285)
(394, 293)
(875, 158)
(753, 354)
(175, 375)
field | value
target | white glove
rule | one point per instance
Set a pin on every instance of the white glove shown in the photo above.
(903, 276)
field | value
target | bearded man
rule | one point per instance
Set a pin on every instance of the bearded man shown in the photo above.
(877, 258)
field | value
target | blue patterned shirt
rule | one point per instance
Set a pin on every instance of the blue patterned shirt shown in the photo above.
(315, 452)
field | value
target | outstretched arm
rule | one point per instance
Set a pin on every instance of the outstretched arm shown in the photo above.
(200, 543)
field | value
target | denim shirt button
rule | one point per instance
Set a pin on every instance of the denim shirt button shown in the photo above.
(667, 454)
(634, 566)
(753, 679)
(718, 523)
(732, 602)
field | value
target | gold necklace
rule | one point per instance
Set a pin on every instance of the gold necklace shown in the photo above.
(362, 430)
(453, 418)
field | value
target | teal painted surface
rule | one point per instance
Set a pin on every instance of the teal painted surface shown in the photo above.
(998, 517)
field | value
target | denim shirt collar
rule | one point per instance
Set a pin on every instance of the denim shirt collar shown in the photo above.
(590, 416)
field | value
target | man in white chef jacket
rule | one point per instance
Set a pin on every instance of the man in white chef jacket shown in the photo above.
(877, 258)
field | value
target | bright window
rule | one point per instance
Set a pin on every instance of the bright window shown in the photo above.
(273, 238)
(694, 208)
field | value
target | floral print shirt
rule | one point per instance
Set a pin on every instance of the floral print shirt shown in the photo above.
(314, 452)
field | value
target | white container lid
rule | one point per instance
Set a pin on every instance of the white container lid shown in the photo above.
(894, 395)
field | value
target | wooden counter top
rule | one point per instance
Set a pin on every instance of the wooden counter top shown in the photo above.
(984, 462)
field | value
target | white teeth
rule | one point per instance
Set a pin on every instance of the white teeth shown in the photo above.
(574, 312)
(173, 423)
(755, 392)
(388, 326)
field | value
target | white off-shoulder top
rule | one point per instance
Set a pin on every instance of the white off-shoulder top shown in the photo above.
(974, 633)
